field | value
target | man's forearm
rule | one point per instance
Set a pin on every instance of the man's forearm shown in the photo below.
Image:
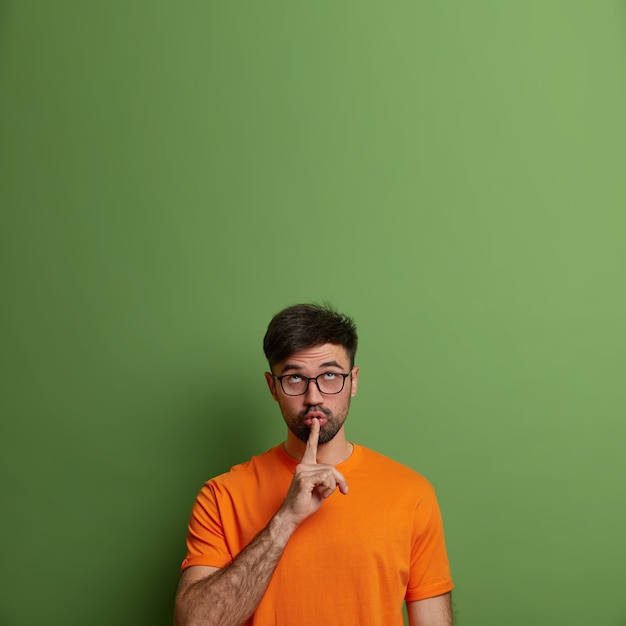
(230, 596)
(436, 611)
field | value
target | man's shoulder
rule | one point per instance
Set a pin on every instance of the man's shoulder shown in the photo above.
(249, 486)
(377, 462)
(270, 460)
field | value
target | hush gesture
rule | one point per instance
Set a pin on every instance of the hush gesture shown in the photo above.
(312, 482)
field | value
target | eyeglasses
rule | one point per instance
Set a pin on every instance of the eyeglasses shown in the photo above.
(329, 383)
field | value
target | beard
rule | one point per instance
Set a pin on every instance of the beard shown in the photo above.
(327, 432)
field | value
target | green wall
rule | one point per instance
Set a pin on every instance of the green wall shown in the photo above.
(450, 173)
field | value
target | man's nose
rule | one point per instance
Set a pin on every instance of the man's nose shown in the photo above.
(313, 394)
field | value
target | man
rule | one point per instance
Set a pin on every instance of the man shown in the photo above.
(316, 531)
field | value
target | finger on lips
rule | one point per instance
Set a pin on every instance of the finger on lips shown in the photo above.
(325, 479)
(310, 454)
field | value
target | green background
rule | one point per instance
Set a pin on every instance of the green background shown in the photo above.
(452, 174)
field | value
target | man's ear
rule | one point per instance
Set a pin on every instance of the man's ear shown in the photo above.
(355, 381)
(271, 383)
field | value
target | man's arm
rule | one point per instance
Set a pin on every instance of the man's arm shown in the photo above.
(208, 595)
(229, 596)
(435, 611)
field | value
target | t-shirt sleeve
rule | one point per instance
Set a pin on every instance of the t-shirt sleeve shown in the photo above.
(206, 541)
(430, 569)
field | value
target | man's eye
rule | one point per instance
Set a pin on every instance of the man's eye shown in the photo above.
(330, 375)
(294, 378)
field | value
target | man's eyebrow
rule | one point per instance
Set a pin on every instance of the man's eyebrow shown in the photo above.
(291, 366)
(331, 364)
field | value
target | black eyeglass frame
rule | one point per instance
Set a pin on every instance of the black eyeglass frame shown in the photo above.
(308, 382)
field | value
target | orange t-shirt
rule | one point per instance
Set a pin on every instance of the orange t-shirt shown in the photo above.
(354, 561)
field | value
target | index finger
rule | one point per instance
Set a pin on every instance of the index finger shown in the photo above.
(310, 454)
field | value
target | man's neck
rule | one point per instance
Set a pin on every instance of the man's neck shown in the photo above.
(337, 450)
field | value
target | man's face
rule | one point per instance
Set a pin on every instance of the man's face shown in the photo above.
(331, 410)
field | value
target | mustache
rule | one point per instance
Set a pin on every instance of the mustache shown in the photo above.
(315, 409)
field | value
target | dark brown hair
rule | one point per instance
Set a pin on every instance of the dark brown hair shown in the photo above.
(304, 326)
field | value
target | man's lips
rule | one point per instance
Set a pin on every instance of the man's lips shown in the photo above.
(308, 418)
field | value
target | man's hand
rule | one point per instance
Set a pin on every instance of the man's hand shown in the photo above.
(312, 482)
